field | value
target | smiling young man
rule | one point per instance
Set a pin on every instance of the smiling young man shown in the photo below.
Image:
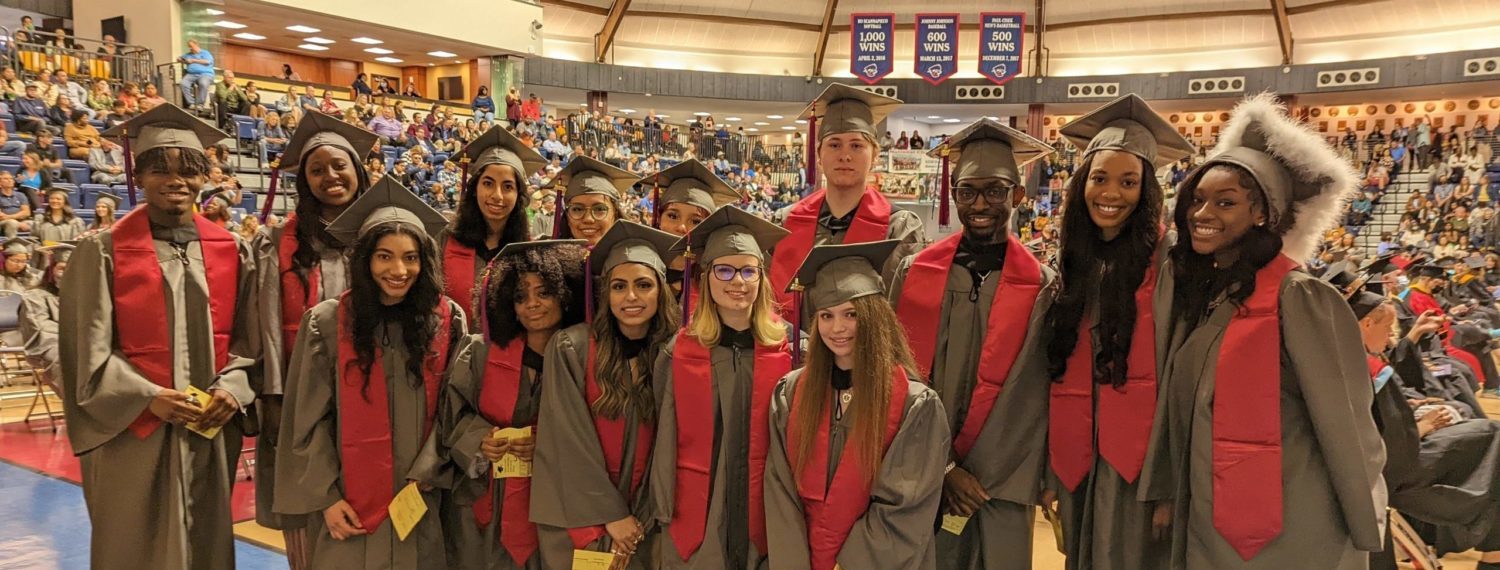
(158, 494)
(973, 305)
(849, 208)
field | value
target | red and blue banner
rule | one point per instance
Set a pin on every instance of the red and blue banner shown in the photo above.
(1000, 38)
(937, 47)
(871, 46)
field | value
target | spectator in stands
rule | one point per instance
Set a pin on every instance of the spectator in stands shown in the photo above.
(360, 86)
(363, 108)
(151, 98)
(108, 163)
(307, 102)
(197, 76)
(117, 115)
(219, 155)
(326, 105)
(389, 128)
(8, 146)
(15, 207)
(11, 87)
(48, 160)
(448, 179)
(513, 107)
(253, 106)
(401, 173)
(411, 88)
(60, 114)
(48, 90)
(531, 110)
(81, 136)
(100, 99)
(484, 106)
(130, 95)
(288, 75)
(420, 138)
(72, 89)
(902, 142)
(351, 116)
(230, 97)
(30, 112)
(249, 226)
(384, 87)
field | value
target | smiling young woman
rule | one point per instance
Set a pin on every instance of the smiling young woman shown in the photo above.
(597, 421)
(363, 388)
(1267, 382)
(686, 193)
(590, 198)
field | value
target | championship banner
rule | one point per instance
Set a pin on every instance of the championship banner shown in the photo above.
(1000, 36)
(870, 47)
(937, 47)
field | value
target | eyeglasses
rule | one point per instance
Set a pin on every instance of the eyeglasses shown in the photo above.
(726, 273)
(993, 194)
(597, 212)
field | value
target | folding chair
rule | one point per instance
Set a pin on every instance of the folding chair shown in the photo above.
(1410, 545)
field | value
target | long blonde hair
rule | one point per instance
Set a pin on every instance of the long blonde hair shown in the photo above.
(879, 348)
(764, 322)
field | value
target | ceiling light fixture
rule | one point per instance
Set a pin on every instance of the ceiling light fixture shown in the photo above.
(249, 36)
(789, 128)
(318, 40)
(213, 12)
(774, 117)
(388, 60)
(762, 124)
(301, 29)
(230, 25)
(732, 119)
(366, 41)
(700, 114)
(752, 130)
(441, 53)
(950, 120)
(934, 117)
(313, 47)
(801, 121)
(627, 111)
(379, 51)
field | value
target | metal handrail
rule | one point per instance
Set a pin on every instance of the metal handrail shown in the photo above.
(80, 57)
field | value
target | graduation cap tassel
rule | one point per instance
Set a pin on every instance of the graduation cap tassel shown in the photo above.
(557, 216)
(687, 285)
(656, 206)
(944, 197)
(588, 291)
(463, 165)
(129, 166)
(265, 211)
(484, 299)
(797, 325)
(812, 151)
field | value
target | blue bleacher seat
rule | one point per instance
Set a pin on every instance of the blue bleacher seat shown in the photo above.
(78, 169)
(248, 201)
(59, 147)
(88, 192)
(10, 123)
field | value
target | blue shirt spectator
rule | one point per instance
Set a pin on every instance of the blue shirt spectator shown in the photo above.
(199, 74)
(484, 106)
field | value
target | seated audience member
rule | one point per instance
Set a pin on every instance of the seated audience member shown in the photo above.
(30, 111)
(151, 98)
(107, 162)
(50, 162)
(15, 207)
(81, 136)
(10, 146)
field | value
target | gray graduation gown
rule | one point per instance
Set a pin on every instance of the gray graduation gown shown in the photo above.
(726, 537)
(896, 531)
(308, 458)
(570, 486)
(48, 231)
(269, 379)
(1333, 493)
(460, 431)
(20, 282)
(905, 226)
(1008, 457)
(38, 326)
(161, 502)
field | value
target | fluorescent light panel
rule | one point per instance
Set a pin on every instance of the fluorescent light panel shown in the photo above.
(366, 41)
(313, 47)
(318, 40)
(379, 51)
(213, 12)
(301, 29)
(388, 60)
(230, 25)
(441, 53)
(249, 36)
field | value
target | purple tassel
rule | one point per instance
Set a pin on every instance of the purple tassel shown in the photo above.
(557, 216)
(812, 151)
(943, 204)
(484, 300)
(265, 211)
(687, 286)
(463, 165)
(129, 168)
(797, 326)
(656, 206)
(588, 291)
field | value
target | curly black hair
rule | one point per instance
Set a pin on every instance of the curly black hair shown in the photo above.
(561, 272)
(309, 209)
(1197, 280)
(415, 314)
(471, 229)
(1114, 269)
(188, 162)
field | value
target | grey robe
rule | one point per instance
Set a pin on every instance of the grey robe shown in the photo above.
(269, 380)
(1333, 494)
(308, 452)
(161, 502)
(22, 281)
(570, 486)
(726, 537)
(1008, 458)
(38, 326)
(47, 231)
(905, 226)
(896, 530)
(461, 429)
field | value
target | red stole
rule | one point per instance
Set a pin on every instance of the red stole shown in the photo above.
(832, 509)
(1421, 301)
(1376, 365)
(1247, 418)
(458, 273)
(692, 388)
(612, 435)
(872, 221)
(365, 417)
(499, 391)
(921, 308)
(139, 287)
(1127, 411)
(295, 298)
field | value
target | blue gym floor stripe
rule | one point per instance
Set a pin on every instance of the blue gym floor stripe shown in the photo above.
(45, 526)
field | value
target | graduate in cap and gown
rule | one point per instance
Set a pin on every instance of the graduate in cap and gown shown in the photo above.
(533, 289)
(1268, 393)
(491, 212)
(843, 142)
(357, 422)
(57, 223)
(158, 493)
(105, 206)
(684, 195)
(713, 387)
(854, 474)
(1108, 342)
(597, 421)
(298, 265)
(589, 196)
(37, 320)
(17, 274)
(973, 304)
